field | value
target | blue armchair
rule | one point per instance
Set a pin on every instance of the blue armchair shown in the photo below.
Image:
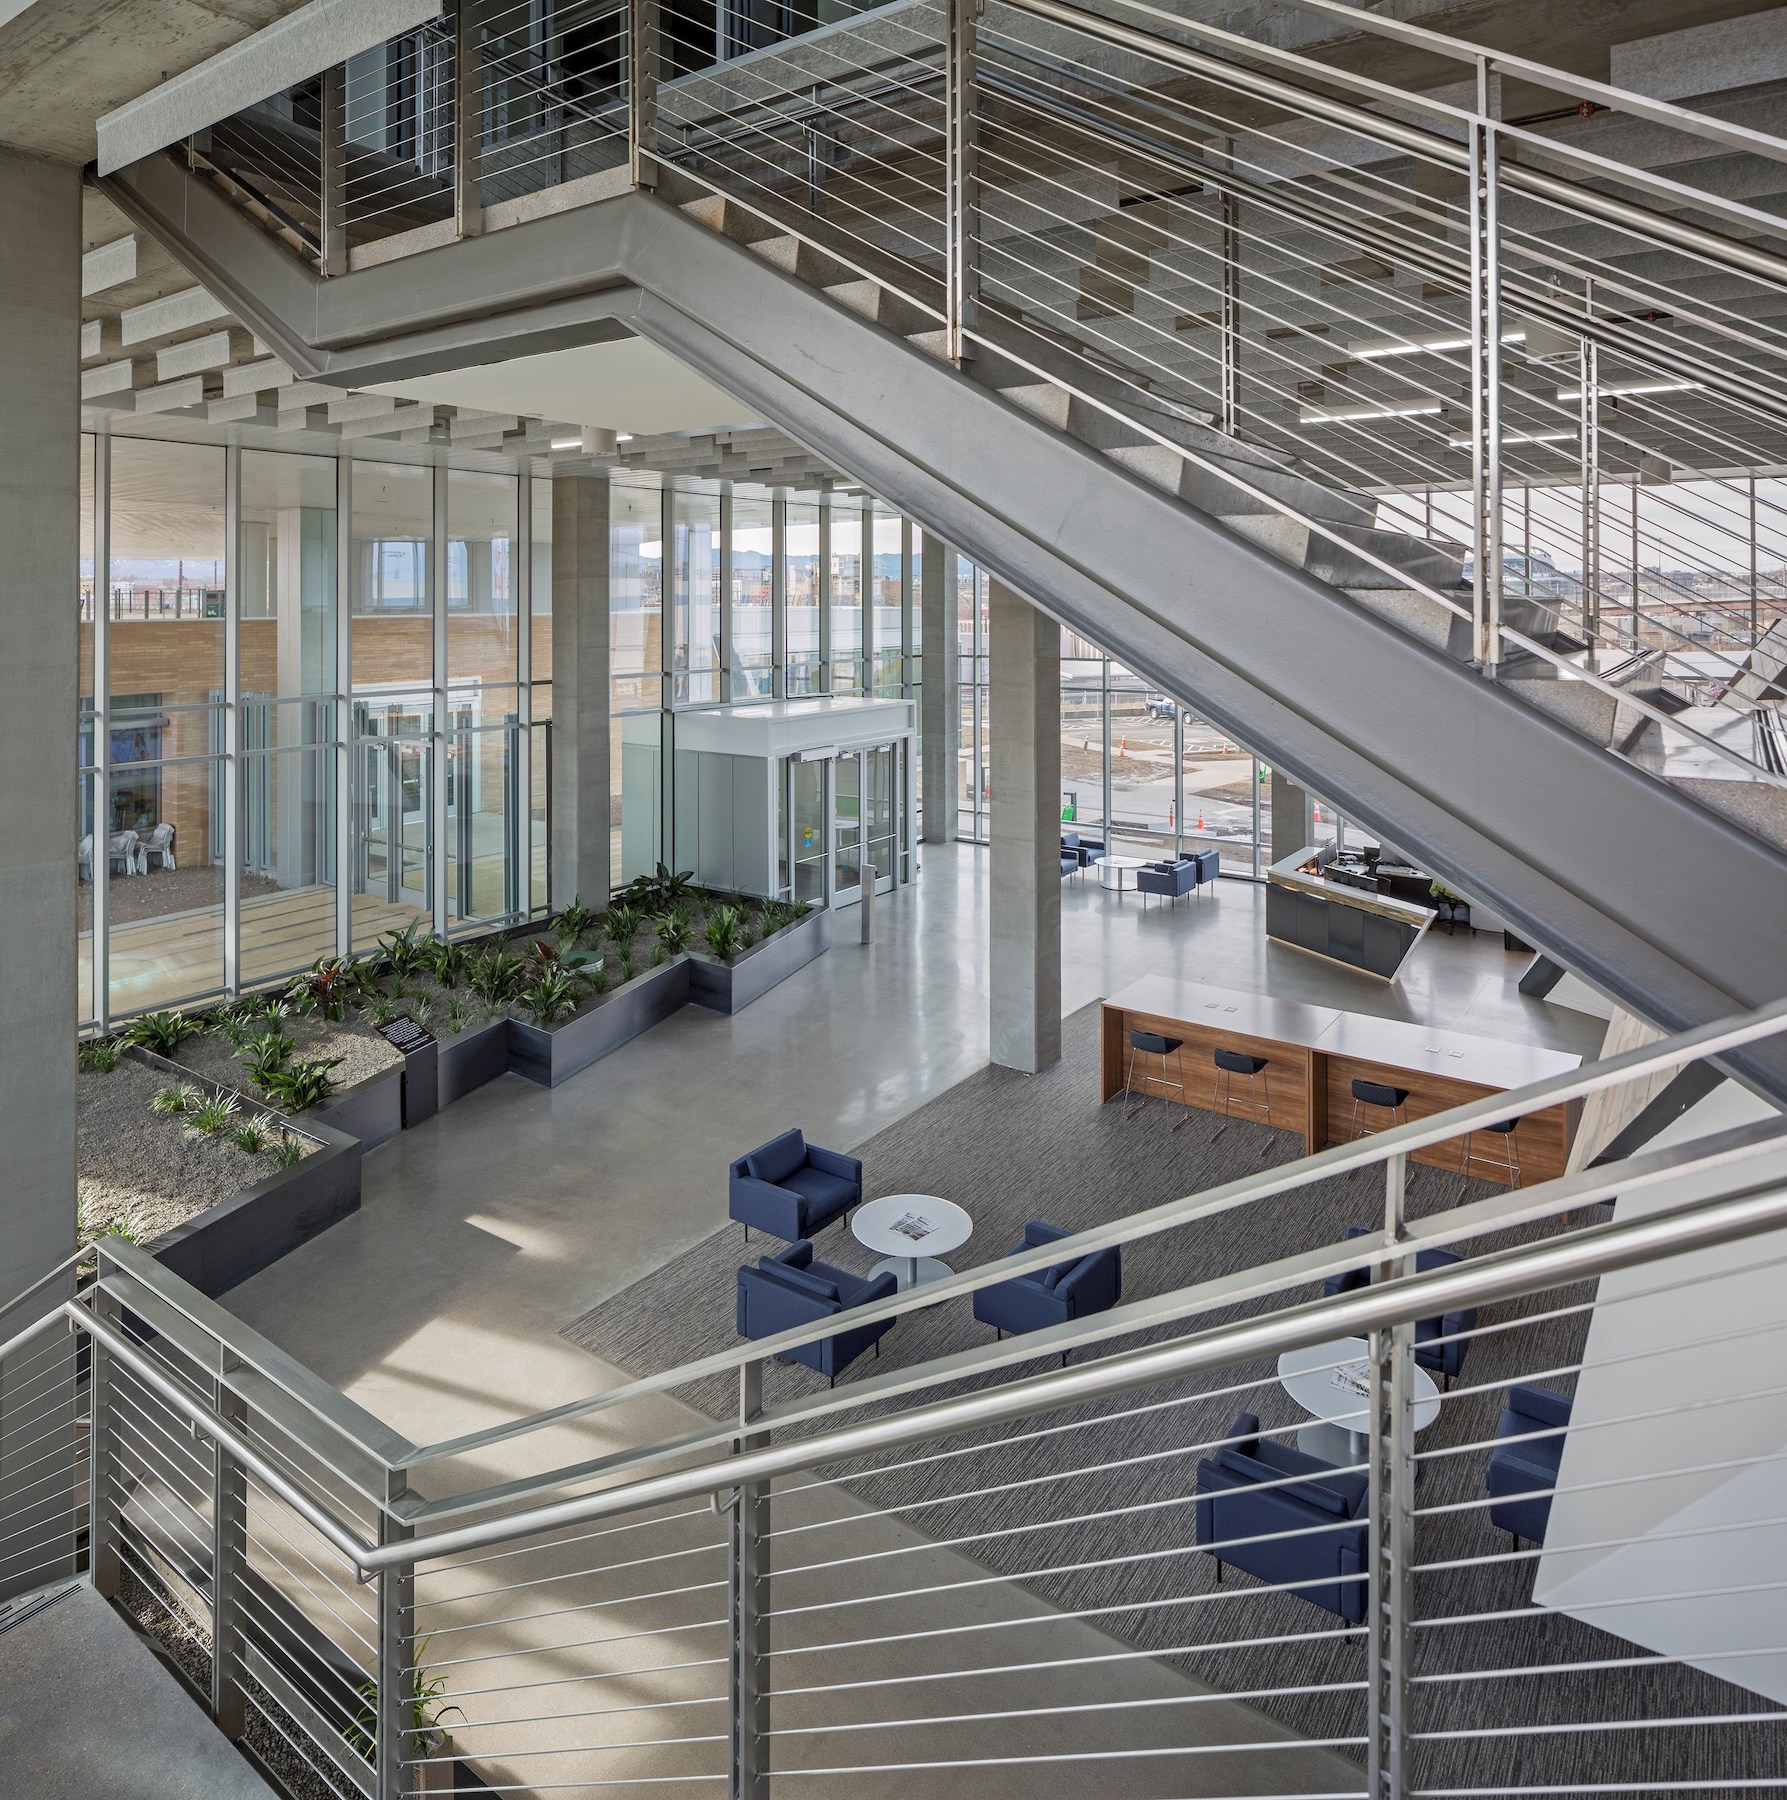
(1070, 862)
(1516, 1470)
(789, 1290)
(1168, 879)
(793, 1189)
(1070, 1290)
(1326, 1566)
(1209, 865)
(1440, 1344)
(1088, 849)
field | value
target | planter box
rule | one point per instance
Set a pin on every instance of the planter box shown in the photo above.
(548, 1057)
(730, 987)
(242, 1235)
(370, 1110)
(471, 1059)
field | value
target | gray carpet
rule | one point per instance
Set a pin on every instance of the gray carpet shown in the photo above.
(1011, 1148)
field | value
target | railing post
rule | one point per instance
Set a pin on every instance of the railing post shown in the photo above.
(1589, 427)
(468, 120)
(961, 179)
(229, 1553)
(642, 89)
(332, 205)
(747, 1561)
(1229, 421)
(396, 1635)
(1389, 1614)
(103, 1562)
(1486, 378)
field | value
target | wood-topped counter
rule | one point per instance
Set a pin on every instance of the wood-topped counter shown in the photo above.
(1313, 1055)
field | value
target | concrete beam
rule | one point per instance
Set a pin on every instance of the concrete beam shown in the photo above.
(168, 316)
(195, 356)
(1024, 965)
(581, 858)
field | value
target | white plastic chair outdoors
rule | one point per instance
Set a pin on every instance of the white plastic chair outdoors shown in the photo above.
(125, 847)
(159, 843)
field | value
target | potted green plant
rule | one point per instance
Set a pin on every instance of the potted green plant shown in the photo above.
(425, 1736)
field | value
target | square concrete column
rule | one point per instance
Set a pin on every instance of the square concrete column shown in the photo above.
(581, 858)
(939, 707)
(1024, 970)
(1293, 817)
(40, 422)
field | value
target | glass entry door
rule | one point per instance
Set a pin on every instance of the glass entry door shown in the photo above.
(881, 814)
(847, 827)
(395, 827)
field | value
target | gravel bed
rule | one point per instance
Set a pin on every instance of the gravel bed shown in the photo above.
(146, 1168)
(362, 1051)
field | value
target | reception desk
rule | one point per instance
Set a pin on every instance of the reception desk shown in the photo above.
(1315, 1053)
(1365, 930)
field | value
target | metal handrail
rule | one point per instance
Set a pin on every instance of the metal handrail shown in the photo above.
(1403, 1140)
(1583, 1255)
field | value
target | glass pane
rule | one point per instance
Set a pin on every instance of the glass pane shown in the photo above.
(86, 581)
(483, 645)
(541, 790)
(167, 579)
(635, 594)
(164, 851)
(802, 654)
(288, 862)
(288, 596)
(393, 835)
(695, 600)
(846, 599)
(753, 676)
(812, 835)
(848, 807)
(484, 876)
(83, 827)
(540, 582)
(888, 600)
(393, 632)
(638, 742)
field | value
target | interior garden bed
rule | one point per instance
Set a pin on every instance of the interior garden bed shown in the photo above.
(213, 1183)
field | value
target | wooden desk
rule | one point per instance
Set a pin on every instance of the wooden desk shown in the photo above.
(1315, 1053)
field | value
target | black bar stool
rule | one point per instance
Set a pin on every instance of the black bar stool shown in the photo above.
(1229, 1064)
(1378, 1094)
(1509, 1131)
(1151, 1043)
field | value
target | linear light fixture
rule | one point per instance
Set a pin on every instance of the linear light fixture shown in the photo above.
(1376, 349)
(1348, 415)
(1520, 437)
(1612, 390)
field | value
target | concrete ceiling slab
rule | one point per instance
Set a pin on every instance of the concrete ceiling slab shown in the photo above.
(625, 385)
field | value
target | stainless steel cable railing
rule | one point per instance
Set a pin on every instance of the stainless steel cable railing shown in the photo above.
(981, 1565)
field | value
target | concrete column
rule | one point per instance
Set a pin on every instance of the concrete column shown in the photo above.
(1024, 972)
(40, 416)
(1293, 817)
(580, 744)
(939, 692)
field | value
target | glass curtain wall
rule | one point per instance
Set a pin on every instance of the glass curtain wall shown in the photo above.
(801, 586)
(752, 597)
(637, 709)
(844, 561)
(275, 765)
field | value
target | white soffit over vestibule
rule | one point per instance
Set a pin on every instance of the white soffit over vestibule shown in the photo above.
(625, 385)
(1669, 1527)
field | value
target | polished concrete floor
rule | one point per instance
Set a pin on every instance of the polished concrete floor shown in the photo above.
(482, 1233)
(486, 1230)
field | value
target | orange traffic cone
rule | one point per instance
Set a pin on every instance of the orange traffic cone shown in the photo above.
(1200, 819)
(1318, 812)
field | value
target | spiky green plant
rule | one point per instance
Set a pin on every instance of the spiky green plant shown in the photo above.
(674, 930)
(574, 921)
(625, 963)
(495, 976)
(180, 1098)
(265, 1053)
(300, 1085)
(99, 1056)
(163, 1032)
(725, 924)
(252, 1138)
(552, 997)
(621, 922)
(287, 1151)
(213, 1114)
